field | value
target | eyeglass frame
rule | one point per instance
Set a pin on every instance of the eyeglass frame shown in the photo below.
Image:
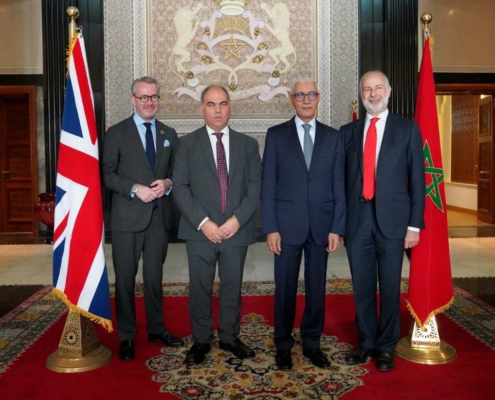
(309, 94)
(148, 98)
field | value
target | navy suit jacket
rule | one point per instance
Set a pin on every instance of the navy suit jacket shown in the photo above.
(295, 200)
(400, 177)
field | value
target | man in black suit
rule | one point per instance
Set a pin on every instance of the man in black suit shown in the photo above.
(303, 210)
(385, 192)
(217, 179)
(136, 162)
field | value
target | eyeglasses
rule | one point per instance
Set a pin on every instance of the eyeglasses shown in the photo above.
(312, 96)
(145, 98)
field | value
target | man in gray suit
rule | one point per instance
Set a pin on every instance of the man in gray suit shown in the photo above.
(217, 184)
(138, 176)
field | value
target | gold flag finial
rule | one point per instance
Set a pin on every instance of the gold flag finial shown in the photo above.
(73, 13)
(426, 19)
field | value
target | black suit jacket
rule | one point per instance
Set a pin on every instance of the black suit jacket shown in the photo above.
(124, 163)
(197, 189)
(400, 177)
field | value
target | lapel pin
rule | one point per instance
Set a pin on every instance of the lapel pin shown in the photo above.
(162, 132)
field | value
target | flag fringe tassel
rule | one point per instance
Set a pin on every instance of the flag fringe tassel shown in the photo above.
(69, 52)
(432, 314)
(106, 323)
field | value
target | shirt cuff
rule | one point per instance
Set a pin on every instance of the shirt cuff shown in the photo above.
(202, 222)
(410, 228)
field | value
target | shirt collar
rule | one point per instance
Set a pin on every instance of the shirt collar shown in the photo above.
(382, 116)
(225, 130)
(139, 121)
(299, 122)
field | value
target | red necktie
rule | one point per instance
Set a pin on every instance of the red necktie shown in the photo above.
(223, 175)
(369, 161)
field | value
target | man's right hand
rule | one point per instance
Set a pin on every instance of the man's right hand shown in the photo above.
(274, 242)
(145, 194)
(212, 231)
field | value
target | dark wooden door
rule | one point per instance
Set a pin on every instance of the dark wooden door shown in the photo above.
(18, 159)
(486, 193)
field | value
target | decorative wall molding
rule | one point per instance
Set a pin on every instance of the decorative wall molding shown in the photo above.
(127, 57)
(465, 68)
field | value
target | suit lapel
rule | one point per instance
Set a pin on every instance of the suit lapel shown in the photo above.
(294, 141)
(358, 136)
(205, 143)
(234, 147)
(160, 140)
(387, 141)
(135, 141)
(319, 139)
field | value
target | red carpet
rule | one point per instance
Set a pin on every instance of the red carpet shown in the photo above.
(470, 376)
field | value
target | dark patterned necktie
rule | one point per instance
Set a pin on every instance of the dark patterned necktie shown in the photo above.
(369, 161)
(150, 151)
(223, 175)
(150, 145)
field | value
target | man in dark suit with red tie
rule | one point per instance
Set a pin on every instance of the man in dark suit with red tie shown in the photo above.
(385, 192)
(303, 211)
(217, 182)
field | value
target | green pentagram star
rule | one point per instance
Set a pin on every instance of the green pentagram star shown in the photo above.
(433, 190)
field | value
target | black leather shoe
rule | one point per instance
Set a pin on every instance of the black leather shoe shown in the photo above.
(317, 358)
(358, 356)
(238, 349)
(197, 353)
(126, 350)
(385, 361)
(166, 338)
(283, 359)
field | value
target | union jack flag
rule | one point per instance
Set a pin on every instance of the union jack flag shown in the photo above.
(79, 269)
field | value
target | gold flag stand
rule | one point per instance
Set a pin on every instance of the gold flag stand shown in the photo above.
(425, 347)
(79, 349)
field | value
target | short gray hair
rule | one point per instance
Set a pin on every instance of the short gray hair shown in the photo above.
(305, 79)
(387, 83)
(145, 79)
(206, 90)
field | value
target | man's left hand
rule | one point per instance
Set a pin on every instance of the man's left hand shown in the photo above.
(333, 242)
(411, 240)
(160, 186)
(230, 227)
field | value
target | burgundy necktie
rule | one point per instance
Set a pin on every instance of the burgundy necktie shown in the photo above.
(223, 175)
(369, 161)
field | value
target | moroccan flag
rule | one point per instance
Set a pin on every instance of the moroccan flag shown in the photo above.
(430, 278)
(354, 112)
(79, 269)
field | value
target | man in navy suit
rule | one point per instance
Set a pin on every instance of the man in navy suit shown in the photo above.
(136, 165)
(384, 215)
(303, 210)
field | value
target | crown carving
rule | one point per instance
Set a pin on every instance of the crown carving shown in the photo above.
(232, 7)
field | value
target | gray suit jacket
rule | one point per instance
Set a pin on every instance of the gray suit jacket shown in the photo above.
(197, 190)
(124, 163)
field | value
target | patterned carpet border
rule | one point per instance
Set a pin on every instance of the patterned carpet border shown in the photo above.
(23, 326)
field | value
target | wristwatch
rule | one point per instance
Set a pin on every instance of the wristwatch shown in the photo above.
(134, 188)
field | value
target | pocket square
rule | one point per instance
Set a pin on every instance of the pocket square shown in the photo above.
(166, 143)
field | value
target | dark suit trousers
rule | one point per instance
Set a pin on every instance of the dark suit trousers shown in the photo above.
(203, 256)
(373, 256)
(286, 281)
(127, 248)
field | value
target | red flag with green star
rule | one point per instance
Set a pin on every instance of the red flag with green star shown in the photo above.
(430, 277)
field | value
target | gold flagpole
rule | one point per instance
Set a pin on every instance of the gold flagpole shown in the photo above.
(423, 345)
(79, 349)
